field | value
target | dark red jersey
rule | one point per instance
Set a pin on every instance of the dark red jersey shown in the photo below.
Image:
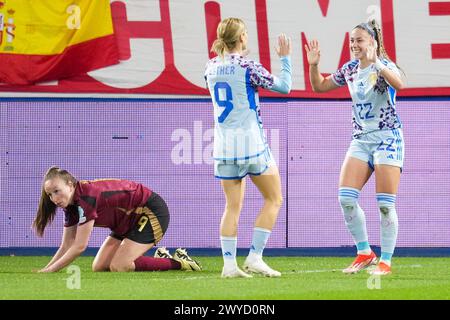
(115, 204)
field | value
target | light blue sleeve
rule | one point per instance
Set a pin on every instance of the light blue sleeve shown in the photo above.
(283, 82)
(391, 66)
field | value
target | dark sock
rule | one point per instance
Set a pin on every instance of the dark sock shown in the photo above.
(156, 264)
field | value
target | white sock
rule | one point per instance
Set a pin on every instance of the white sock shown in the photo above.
(355, 219)
(389, 225)
(229, 245)
(259, 241)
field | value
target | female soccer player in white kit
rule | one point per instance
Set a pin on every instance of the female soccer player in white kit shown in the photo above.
(377, 144)
(240, 147)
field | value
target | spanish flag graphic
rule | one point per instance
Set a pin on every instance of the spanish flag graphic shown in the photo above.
(43, 40)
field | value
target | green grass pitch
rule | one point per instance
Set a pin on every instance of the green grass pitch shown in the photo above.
(303, 278)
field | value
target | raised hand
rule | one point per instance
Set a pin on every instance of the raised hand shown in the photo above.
(313, 52)
(284, 46)
(372, 51)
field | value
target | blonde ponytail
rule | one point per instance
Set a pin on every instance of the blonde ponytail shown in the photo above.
(229, 32)
(218, 47)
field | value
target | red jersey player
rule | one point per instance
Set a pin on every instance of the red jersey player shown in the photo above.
(137, 217)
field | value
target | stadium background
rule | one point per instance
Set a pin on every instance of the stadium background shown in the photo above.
(149, 119)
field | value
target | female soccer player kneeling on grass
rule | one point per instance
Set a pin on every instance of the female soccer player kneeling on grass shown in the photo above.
(377, 145)
(137, 217)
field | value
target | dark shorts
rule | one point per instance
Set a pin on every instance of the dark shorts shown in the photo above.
(151, 225)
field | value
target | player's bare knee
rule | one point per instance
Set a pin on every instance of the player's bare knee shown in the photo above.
(99, 268)
(279, 201)
(233, 208)
(276, 201)
(120, 267)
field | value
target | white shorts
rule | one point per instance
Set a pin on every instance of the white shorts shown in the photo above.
(238, 169)
(379, 147)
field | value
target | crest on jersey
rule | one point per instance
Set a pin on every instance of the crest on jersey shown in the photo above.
(360, 91)
(81, 215)
(373, 78)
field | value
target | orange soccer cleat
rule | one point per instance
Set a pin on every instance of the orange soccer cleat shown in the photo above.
(362, 261)
(382, 269)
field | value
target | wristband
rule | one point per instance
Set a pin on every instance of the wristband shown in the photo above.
(379, 65)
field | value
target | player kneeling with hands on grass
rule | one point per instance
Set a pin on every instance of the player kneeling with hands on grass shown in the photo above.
(137, 217)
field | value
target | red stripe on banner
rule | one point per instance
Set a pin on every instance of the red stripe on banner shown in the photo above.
(440, 51)
(439, 8)
(145, 29)
(418, 92)
(263, 34)
(324, 6)
(20, 69)
(387, 17)
(212, 20)
(345, 52)
(119, 18)
(166, 30)
(305, 63)
(124, 29)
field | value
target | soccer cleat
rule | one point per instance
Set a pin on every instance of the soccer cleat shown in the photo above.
(382, 269)
(362, 261)
(163, 253)
(234, 273)
(186, 262)
(259, 266)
